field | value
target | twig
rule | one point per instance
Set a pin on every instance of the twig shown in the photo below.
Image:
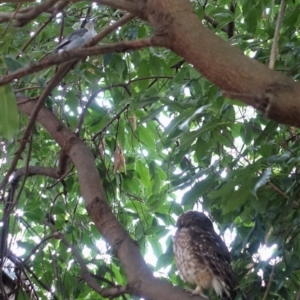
(92, 98)
(24, 17)
(86, 106)
(10, 20)
(276, 35)
(281, 193)
(84, 270)
(116, 117)
(35, 248)
(269, 283)
(18, 262)
(215, 23)
(34, 36)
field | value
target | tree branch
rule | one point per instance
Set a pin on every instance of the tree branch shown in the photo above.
(26, 16)
(18, 262)
(140, 280)
(276, 35)
(85, 274)
(136, 7)
(243, 78)
(72, 55)
(240, 77)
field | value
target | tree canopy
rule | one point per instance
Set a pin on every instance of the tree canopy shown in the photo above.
(174, 105)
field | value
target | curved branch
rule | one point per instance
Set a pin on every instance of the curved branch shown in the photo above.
(140, 280)
(240, 77)
(31, 171)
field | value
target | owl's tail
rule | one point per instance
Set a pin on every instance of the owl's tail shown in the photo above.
(236, 294)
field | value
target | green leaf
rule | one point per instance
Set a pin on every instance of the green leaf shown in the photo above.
(9, 118)
(251, 19)
(132, 33)
(12, 63)
(146, 136)
(263, 179)
(185, 125)
(26, 246)
(239, 197)
(143, 173)
(156, 246)
(156, 185)
(192, 196)
(72, 100)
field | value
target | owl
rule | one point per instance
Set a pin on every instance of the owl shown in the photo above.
(201, 256)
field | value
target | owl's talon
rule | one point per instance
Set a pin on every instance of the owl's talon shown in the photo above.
(195, 293)
(191, 292)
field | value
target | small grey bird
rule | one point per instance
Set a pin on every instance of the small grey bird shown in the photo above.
(77, 38)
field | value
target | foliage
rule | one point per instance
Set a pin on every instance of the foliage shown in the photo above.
(193, 148)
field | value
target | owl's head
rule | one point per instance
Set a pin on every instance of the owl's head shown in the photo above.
(194, 218)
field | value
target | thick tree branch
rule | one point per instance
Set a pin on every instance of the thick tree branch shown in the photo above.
(140, 280)
(179, 29)
(241, 77)
(17, 1)
(35, 170)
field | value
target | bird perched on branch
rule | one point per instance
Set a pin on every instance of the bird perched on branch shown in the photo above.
(202, 257)
(77, 38)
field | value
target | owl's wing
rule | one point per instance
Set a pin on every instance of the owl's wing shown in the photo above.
(209, 249)
(212, 240)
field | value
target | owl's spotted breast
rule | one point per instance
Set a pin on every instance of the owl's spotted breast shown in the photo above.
(190, 268)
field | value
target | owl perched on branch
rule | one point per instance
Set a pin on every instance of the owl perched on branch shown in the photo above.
(202, 257)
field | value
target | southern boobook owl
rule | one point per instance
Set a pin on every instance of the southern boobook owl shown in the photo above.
(202, 257)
